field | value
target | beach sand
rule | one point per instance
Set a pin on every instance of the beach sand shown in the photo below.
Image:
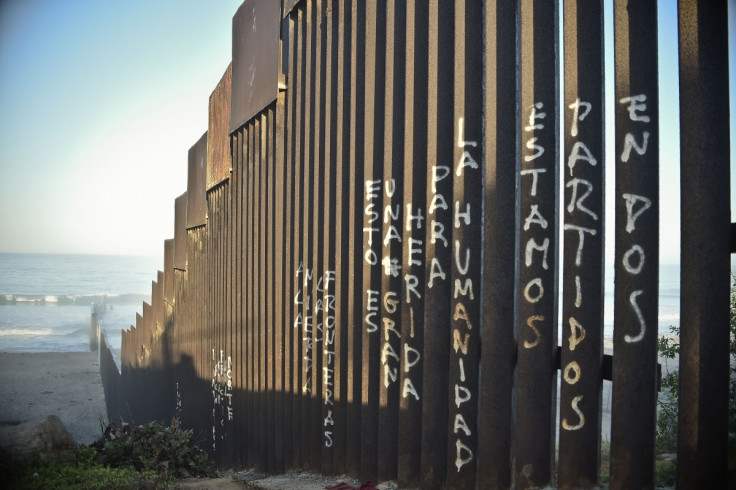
(65, 384)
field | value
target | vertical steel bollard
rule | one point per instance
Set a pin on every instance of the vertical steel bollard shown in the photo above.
(637, 245)
(437, 264)
(500, 230)
(705, 262)
(583, 225)
(538, 238)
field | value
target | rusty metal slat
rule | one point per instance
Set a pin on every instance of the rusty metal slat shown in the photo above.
(498, 339)
(265, 293)
(191, 301)
(251, 293)
(206, 288)
(247, 293)
(219, 303)
(583, 255)
(637, 246)
(180, 232)
(201, 260)
(355, 31)
(297, 85)
(261, 252)
(336, 309)
(158, 304)
(234, 296)
(197, 183)
(239, 169)
(137, 337)
(534, 436)
(169, 270)
(209, 296)
(221, 358)
(329, 373)
(147, 339)
(373, 100)
(181, 356)
(414, 223)
(706, 224)
(467, 232)
(239, 150)
(225, 366)
(251, 290)
(260, 295)
(258, 318)
(317, 159)
(438, 233)
(227, 370)
(393, 16)
(280, 300)
(196, 285)
(288, 154)
(244, 328)
(271, 279)
(307, 274)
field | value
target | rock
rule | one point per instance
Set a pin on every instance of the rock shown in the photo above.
(46, 436)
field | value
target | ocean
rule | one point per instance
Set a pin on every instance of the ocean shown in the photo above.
(45, 300)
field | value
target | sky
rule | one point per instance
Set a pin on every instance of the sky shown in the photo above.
(100, 102)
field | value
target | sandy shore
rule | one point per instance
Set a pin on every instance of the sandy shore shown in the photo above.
(65, 384)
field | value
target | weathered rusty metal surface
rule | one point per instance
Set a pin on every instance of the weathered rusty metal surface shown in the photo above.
(256, 60)
(500, 228)
(296, 77)
(180, 232)
(391, 244)
(169, 271)
(157, 301)
(536, 378)
(196, 183)
(467, 232)
(636, 271)
(372, 196)
(280, 299)
(583, 256)
(414, 177)
(705, 261)
(438, 252)
(354, 297)
(290, 335)
(219, 162)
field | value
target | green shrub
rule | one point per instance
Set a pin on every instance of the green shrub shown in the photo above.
(81, 472)
(146, 456)
(168, 450)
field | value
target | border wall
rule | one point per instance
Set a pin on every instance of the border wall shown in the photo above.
(391, 208)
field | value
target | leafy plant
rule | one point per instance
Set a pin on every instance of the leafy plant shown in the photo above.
(81, 472)
(168, 450)
(666, 441)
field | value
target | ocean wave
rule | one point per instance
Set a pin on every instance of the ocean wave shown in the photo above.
(70, 299)
(38, 332)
